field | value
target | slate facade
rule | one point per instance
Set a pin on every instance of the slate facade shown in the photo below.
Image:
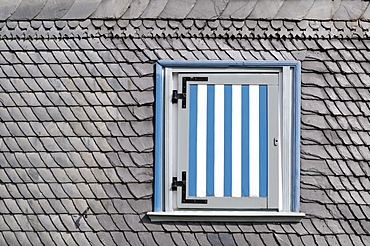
(76, 116)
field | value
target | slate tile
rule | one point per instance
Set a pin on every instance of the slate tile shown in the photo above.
(357, 211)
(103, 70)
(11, 222)
(134, 222)
(99, 175)
(71, 190)
(199, 55)
(144, 97)
(358, 56)
(69, 69)
(125, 175)
(253, 239)
(128, 145)
(295, 239)
(119, 238)
(170, 227)
(345, 211)
(365, 225)
(80, 239)
(73, 57)
(331, 240)
(85, 190)
(142, 174)
(346, 183)
(219, 227)
(344, 240)
(11, 72)
(162, 238)
(142, 190)
(226, 239)
(210, 54)
(22, 238)
(128, 69)
(152, 55)
(98, 191)
(68, 222)
(13, 175)
(308, 240)
(127, 55)
(3, 225)
(190, 239)
(277, 56)
(178, 240)
(356, 240)
(132, 238)
(161, 54)
(357, 227)
(67, 237)
(187, 55)
(268, 239)
(358, 198)
(10, 238)
(106, 221)
(9, 205)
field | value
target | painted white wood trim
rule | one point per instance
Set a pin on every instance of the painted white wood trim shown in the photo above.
(170, 136)
(286, 138)
(226, 216)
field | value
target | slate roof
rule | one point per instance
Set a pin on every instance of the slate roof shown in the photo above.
(190, 9)
(76, 145)
(76, 122)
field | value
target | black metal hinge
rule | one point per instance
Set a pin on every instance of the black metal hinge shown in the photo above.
(176, 96)
(182, 184)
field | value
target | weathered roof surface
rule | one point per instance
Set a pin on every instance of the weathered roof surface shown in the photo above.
(76, 140)
(181, 9)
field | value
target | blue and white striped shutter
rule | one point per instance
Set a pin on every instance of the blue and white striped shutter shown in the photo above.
(229, 154)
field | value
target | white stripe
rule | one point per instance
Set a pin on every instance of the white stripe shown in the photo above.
(219, 141)
(236, 141)
(202, 141)
(254, 140)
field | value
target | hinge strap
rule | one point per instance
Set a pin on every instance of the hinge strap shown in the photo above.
(176, 96)
(182, 184)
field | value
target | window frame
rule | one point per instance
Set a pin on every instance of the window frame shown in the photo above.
(290, 75)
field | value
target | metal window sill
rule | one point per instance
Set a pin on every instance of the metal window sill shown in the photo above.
(227, 216)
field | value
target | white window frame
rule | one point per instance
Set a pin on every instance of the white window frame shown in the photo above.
(165, 203)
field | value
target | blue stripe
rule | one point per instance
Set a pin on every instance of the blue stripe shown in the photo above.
(210, 165)
(245, 140)
(193, 112)
(227, 140)
(296, 137)
(158, 154)
(263, 140)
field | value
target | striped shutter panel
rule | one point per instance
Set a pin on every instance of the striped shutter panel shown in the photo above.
(228, 141)
(227, 150)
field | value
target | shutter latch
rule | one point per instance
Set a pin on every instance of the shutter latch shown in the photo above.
(176, 95)
(182, 184)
